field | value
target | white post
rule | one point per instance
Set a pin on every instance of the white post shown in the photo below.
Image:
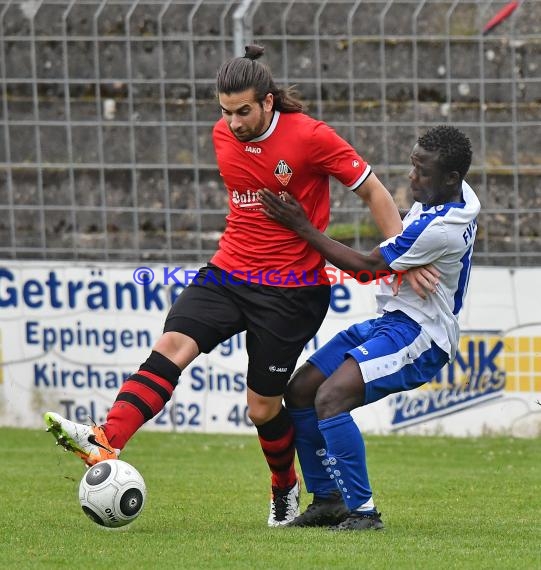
(242, 33)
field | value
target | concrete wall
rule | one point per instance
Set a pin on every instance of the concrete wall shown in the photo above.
(143, 184)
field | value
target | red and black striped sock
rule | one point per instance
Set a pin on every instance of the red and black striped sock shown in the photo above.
(277, 439)
(141, 397)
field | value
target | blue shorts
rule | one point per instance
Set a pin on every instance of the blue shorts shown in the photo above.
(393, 352)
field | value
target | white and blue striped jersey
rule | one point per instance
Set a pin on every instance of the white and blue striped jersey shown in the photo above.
(442, 235)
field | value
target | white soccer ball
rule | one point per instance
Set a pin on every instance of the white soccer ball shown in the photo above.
(112, 493)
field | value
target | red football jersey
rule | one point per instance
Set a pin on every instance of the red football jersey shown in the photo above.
(296, 154)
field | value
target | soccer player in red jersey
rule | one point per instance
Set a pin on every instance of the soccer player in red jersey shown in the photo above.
(263, 279)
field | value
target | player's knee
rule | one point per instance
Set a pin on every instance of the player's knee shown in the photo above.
(259, 415)
(326, 403)
(178, 347)
(263, 410)
(340, 394)
(302, 388)
(333, 399)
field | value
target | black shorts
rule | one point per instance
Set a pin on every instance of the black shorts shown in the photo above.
(278, 321)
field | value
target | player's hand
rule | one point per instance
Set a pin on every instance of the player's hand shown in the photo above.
(423, 280)
(284, 209)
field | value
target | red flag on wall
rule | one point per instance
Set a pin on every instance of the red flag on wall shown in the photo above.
(500, 16)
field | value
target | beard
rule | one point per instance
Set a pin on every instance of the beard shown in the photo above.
(249, 133)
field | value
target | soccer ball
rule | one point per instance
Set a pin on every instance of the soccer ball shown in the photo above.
(112, 493)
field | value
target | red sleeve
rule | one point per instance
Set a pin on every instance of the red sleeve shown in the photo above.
(334, 156)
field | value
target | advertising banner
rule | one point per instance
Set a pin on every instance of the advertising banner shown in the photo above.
(71, 333)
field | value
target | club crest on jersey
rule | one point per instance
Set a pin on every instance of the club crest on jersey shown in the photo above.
(283, 172)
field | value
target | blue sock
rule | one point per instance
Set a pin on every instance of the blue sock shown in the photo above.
(347, 460)
(310, 447)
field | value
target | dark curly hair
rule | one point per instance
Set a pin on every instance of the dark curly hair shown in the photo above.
(453, 148)
(243, 73)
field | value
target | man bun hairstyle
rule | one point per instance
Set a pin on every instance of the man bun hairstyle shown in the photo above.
(253, 51)
(453, 148)
(246, 72)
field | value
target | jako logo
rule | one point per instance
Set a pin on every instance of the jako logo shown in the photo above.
(273, 368)
(110, 514)
(362, 349)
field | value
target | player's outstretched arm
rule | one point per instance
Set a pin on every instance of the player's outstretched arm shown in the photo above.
(381, 204)
(423, 280)
(289, 212)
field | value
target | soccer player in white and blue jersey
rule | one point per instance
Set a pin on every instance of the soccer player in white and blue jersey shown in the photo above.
(400, 350)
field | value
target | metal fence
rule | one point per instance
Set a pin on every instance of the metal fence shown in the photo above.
(107, 109)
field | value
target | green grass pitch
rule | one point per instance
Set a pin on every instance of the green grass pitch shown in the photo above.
(447, 503)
